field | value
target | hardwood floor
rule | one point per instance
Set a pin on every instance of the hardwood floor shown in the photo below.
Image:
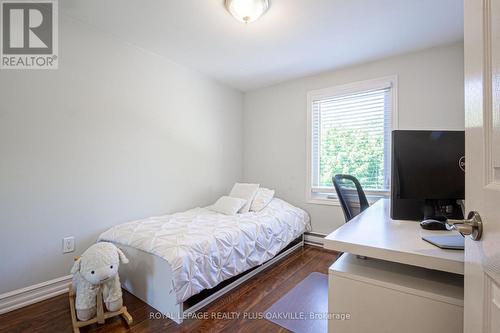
(254, 296)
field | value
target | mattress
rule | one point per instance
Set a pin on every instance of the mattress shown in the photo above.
(205, 248)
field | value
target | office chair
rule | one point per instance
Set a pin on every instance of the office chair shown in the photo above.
(351, 195)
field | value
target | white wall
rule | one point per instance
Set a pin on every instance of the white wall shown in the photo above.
(115, 134)
(431, 96)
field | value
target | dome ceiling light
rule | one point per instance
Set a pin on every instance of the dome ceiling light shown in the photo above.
(247, 10)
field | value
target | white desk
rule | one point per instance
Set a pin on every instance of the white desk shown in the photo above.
(406, 285)
(374, 234)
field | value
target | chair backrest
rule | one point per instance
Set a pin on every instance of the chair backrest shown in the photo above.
(351, 195)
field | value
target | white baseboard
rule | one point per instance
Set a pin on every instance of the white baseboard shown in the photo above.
(33, 294)
(36, 293)
(314, 239)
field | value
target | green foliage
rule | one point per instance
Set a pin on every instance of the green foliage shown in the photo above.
(353, 152)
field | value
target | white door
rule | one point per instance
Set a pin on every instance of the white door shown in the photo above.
(482, 189)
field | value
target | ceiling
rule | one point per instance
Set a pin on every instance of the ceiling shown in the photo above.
(293, 39)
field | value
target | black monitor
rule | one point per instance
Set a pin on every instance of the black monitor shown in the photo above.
(428, 174)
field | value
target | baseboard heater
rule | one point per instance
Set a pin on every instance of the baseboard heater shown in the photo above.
(314, 238)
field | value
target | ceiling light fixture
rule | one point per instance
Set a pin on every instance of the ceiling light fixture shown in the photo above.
(247, 10)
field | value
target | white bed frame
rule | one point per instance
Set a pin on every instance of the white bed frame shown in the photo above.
(149, 278)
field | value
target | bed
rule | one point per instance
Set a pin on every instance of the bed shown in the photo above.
(181, 262)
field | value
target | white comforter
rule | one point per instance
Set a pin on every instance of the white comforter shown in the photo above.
(204, 248)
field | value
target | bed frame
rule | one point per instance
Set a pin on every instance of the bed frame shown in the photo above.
(150, 278)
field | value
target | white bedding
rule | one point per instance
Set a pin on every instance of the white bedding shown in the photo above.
(205, 248)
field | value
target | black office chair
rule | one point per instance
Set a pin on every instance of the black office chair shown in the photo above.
(351, 195)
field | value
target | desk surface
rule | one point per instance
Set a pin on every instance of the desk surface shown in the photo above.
(374, 234)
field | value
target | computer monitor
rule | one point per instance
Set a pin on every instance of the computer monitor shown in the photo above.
(428, 174)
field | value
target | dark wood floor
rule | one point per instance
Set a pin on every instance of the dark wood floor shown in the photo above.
(255, 295)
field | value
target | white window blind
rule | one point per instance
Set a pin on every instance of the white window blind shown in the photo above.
(351, 134)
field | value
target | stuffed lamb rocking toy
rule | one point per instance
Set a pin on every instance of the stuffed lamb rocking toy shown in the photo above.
(96, 280)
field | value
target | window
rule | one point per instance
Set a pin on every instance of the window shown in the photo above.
(350, 133)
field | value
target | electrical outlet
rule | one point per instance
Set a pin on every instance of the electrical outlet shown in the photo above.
(68, 244)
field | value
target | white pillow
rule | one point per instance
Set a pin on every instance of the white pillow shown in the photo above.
(244, 191)
(227, 205)
(262, 199)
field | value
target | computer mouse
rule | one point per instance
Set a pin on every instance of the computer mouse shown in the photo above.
(433, 225)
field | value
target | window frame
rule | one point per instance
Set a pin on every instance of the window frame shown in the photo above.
(330, 197)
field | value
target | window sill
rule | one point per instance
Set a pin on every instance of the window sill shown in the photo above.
(329, 199)
(317, 200)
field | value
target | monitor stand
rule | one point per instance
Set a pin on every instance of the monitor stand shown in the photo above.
(443, 209)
